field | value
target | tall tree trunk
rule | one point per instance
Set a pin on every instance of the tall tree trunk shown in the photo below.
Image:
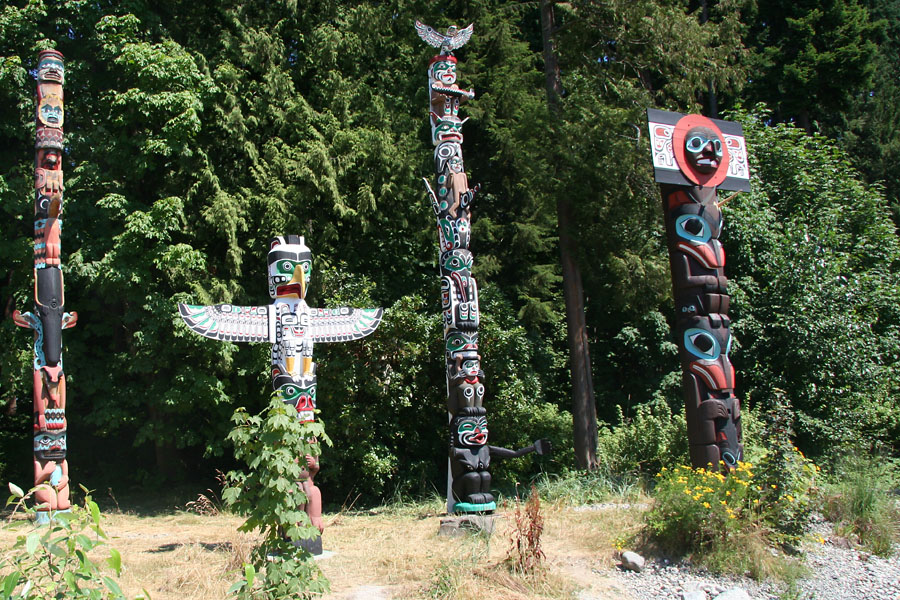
(584, 409)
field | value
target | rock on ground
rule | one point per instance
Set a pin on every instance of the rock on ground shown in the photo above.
(836, 572)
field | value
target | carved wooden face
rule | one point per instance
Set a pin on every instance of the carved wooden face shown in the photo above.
(51, 68)
(50, 445)
(444, 71)
(703, 149)
(290, 269)
(471, 431)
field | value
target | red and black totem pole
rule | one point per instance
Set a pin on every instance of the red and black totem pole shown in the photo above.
(694, 157)
(469, 486)
(49, 317)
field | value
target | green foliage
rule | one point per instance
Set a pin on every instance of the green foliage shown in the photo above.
(51, 560)
(813, 260)
(270, 444)
(725, 522)
(654, 436)
(786, 476)
(811, 58)
(857, 498)
(577, 488)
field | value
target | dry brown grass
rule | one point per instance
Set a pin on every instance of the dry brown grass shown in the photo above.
(184, 556)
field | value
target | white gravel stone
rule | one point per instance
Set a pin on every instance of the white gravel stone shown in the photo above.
(733, 594)
(632, 561)
(836, 573)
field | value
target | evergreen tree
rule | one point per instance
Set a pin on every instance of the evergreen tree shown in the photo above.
(810, 59)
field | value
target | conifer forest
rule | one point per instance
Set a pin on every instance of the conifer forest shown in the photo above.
(196, 131)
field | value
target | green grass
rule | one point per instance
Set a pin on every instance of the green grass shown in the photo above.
(858, 502)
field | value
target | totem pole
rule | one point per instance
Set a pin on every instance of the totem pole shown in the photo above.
(292, 327)
(693, 157)
(49, 318)
(469, 486)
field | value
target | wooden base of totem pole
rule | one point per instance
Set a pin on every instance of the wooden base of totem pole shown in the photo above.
(311, 545)
(42, 517)
(459, 525)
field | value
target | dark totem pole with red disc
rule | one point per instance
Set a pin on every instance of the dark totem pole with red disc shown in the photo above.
(49, 317)
(693, 158)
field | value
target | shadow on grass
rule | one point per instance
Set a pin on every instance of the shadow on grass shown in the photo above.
(210, 546)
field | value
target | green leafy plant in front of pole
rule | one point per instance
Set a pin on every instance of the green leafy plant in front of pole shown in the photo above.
(729, 523)
(273, 445)
(52, 560)
(786, 475)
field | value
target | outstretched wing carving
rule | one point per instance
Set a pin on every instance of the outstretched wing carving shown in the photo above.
(444, 42)
(431, 37)
(462, 36)
(343, 324)
(228, 322)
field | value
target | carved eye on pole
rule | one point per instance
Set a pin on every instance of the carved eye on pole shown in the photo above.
(702, 344)
(692, 228)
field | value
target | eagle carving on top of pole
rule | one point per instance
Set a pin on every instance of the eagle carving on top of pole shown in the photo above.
(447, 42)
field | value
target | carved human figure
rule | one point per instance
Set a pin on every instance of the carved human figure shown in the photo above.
(313, 494)
(51, 472)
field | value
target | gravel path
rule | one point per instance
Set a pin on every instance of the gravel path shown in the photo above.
(837, 573)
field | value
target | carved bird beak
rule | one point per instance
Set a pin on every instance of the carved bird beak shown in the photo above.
(299, 277)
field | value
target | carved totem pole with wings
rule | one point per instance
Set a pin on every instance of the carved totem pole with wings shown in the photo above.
(49, 317)
(292, 327)
(469, 489)
(693, 157)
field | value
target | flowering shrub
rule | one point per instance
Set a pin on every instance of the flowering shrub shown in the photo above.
(697, 508)
(700, 510)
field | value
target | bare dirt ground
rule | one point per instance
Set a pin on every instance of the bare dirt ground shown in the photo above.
(392, 553)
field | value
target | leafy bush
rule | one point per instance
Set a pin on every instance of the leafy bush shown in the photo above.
(857, 500)
(726, 522)
(268, 495)
(653, 437)
(812, 261)
(786, 476)
(696, 510)
(51, 561)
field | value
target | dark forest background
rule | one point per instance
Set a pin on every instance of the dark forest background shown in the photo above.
(196, 130)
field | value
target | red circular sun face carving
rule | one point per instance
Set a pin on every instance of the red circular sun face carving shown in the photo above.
(700, 150)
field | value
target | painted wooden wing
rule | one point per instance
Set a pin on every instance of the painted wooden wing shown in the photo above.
(462, 36)
(343, 324)
(230, 323)
(430, 36)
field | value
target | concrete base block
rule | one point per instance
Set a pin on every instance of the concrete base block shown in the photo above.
(458, 525)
